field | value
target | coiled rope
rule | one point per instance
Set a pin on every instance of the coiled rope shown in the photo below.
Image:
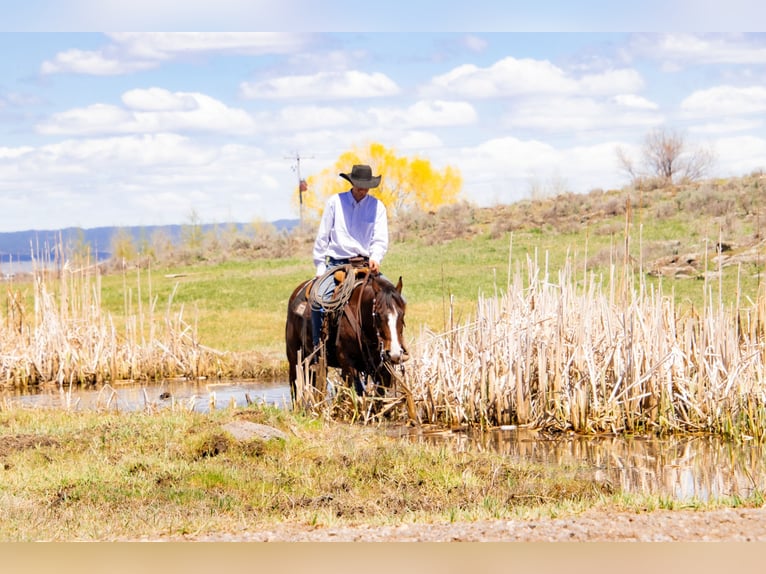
(343, 291)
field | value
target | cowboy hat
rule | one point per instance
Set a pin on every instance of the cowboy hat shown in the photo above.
(361, 176)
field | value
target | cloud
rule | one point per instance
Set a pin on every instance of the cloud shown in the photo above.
(323, 85)
(727, 126)
(137, 179)
(741, 155)
(562, 114)
(18, 100)
(92, 63)
(474, 43)
(167, 45)
(514, 77)
(491, 177)
(309, 118)
(678, 50)
(725, 101)
(635, 102)
(431, 113)
(153, 110)
(132, 52)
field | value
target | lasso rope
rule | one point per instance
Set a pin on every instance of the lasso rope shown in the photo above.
(343, 293)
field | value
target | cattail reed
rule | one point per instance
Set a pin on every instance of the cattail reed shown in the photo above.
(564, 355)
(68, 339)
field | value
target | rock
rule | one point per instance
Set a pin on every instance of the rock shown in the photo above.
(246, 430)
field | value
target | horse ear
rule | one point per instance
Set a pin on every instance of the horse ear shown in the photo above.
(399, 285)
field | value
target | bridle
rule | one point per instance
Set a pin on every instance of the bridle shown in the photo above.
(369, 359)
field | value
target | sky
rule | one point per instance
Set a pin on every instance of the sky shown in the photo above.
(152, 128)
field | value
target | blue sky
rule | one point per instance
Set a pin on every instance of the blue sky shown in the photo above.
(143, 128)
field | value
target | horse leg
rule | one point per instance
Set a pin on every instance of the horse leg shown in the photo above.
(360, 383)
(381, 379)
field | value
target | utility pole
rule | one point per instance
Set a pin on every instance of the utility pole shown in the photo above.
(302, 186)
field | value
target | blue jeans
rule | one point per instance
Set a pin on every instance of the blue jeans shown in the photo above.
(325, 290)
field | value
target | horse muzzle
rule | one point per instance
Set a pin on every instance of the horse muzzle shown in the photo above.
(396, 357)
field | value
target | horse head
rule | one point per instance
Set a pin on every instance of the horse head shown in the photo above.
(388, 310)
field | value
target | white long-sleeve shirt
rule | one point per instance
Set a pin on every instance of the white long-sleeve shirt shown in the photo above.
(349, 228)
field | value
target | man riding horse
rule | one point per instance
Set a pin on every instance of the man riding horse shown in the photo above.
(362, 311)
(354, 224)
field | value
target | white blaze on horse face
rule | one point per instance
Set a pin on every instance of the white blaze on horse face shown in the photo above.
(395, 352)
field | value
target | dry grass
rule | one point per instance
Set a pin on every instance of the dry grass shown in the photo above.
(591, 354)
(577, 354)
(66, 338)
(77, 476)
(557, 349)
(572, 350)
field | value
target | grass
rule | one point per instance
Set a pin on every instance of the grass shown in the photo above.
(172, 474)
(462, 253)
(109, 476)
(594, 312)
(72, 475)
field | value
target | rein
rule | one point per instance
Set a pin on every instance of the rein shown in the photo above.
(356, 323)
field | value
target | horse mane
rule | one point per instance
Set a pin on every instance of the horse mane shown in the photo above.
(388, 293)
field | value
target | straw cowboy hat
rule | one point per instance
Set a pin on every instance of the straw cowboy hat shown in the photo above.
(361, 176)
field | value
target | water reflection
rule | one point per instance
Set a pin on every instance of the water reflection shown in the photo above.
(679, 468)
(198, 396)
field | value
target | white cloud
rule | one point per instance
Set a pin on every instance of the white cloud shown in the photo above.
(127, 153)
(12, 153)
(166, 45)
(501, 170)
(431, 113)
(474, 43)
(323, 85)
(132, 52)
(304, 119)
(92, 63)
(581, 114)
(686, 49)
(513, 77)
(740, 155)
(307, 118)
(726, 126)
(332, 60)
(611, 82)
(151, 111)
(147, 179)
(634, 101)
(725, 101)
(159, 100)
(417, 141)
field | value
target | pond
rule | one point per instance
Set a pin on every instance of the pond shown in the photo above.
(683, 468)
(680, 468)
(194, 395)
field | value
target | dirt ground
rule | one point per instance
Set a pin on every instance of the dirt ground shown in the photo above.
(725, 525)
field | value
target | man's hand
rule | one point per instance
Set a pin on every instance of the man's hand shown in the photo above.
(374, 266)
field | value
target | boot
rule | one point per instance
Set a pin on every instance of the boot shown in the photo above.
(317, 316)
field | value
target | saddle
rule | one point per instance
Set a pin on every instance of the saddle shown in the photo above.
(360, 267)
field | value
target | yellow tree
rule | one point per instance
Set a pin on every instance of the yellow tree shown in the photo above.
(407, 183)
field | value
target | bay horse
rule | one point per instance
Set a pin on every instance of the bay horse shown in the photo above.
(363, 338)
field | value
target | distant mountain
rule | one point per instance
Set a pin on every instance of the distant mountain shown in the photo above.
(20, 245)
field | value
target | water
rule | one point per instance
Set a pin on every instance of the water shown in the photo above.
(678, 468)
(12, 267)
(198, 396)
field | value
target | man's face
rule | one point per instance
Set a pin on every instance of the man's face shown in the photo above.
(359, 192)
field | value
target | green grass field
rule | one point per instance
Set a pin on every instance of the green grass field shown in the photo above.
(240, 306)
(449, 258)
